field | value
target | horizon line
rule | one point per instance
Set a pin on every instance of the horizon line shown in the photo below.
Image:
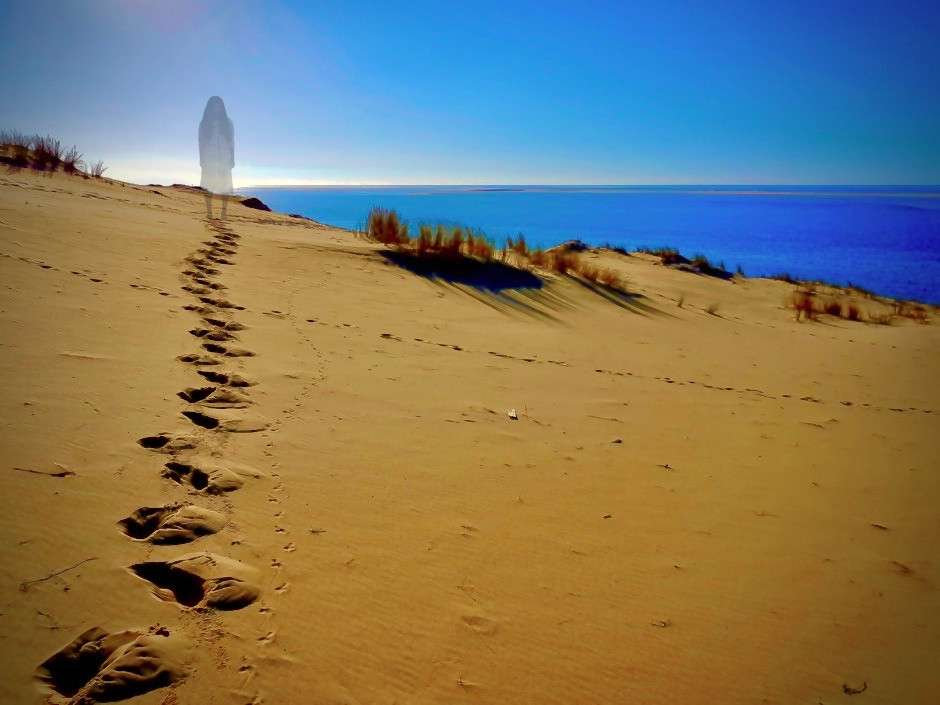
(587, 185)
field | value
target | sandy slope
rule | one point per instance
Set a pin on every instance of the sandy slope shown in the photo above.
(690, 508)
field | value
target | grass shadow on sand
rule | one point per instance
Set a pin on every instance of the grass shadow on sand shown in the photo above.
(490, 276)
(509, 289)
(633, 303)
(495, 284)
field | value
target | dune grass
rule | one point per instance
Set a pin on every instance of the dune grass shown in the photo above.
(806, 306)
(385, 226)
(46, 154)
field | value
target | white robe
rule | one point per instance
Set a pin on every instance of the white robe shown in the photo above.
(217, 157)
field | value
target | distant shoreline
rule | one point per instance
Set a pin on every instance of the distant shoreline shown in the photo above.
(847, 191)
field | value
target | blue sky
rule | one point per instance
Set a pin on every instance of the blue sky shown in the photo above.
(756, 92)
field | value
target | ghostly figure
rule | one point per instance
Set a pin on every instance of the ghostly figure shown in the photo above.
(216, 152)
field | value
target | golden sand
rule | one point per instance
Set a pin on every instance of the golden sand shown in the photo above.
(689, 508)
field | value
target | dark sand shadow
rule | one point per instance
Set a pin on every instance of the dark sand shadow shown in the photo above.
(508, 289)
(488, 276)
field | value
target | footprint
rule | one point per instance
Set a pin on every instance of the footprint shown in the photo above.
(224, 324)
(200, 419)
(210, 476)
(202, 580)
(480, 624)
(215, 397)
(169, 442)
(103, 667)
(172, 523)
(220, 303)
(194, 394)
(198, 360)
(227, 399)
(226, 378)
(228, 352)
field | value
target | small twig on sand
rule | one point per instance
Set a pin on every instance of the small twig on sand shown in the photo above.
(55, 623)
(464, 589)
(64, 472)
(27, 584)
(849, 690)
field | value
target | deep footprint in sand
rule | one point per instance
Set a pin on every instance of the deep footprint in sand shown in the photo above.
(227, 351)
(194, 394)
(225, 324)
(101, 667)
(229, 379)
(220, 303)
(216, 334)
(169, 442)
(198, 360)
(227, 422)
(209, 475)
(201, 419)
(202, 580)
(172, 523)
(216, 397)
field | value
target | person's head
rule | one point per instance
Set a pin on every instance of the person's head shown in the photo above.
(215, 109)
(214, 113)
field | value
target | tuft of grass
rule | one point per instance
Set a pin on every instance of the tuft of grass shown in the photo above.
(667, 255)
(803, 305)
(18, 146)
(833, 308)
(47, 153)
(384, 226)
(616, 248)
(519, 246)
(784, 277)
(563, 262)
(852, 312)
(609, 277)
(588, 271)
(914, 312)
(712, 310)
(72, 161)
(680, 302)
(539, 258)
(425, 240)
(881, 319)
(97, 169)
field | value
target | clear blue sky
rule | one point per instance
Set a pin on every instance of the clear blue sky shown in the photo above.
(749, 92)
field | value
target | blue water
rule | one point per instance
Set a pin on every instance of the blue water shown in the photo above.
(883, 238)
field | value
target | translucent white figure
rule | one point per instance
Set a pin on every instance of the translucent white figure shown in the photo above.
(216, 152)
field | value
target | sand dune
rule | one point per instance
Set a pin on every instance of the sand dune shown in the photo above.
(256, 460)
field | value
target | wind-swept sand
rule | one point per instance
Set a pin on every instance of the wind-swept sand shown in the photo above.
(689, 508)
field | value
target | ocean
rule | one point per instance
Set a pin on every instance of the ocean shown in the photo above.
(886, 239)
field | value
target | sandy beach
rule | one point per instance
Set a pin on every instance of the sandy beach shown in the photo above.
(272, 466)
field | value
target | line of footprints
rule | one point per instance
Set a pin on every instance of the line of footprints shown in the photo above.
(99, 666)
